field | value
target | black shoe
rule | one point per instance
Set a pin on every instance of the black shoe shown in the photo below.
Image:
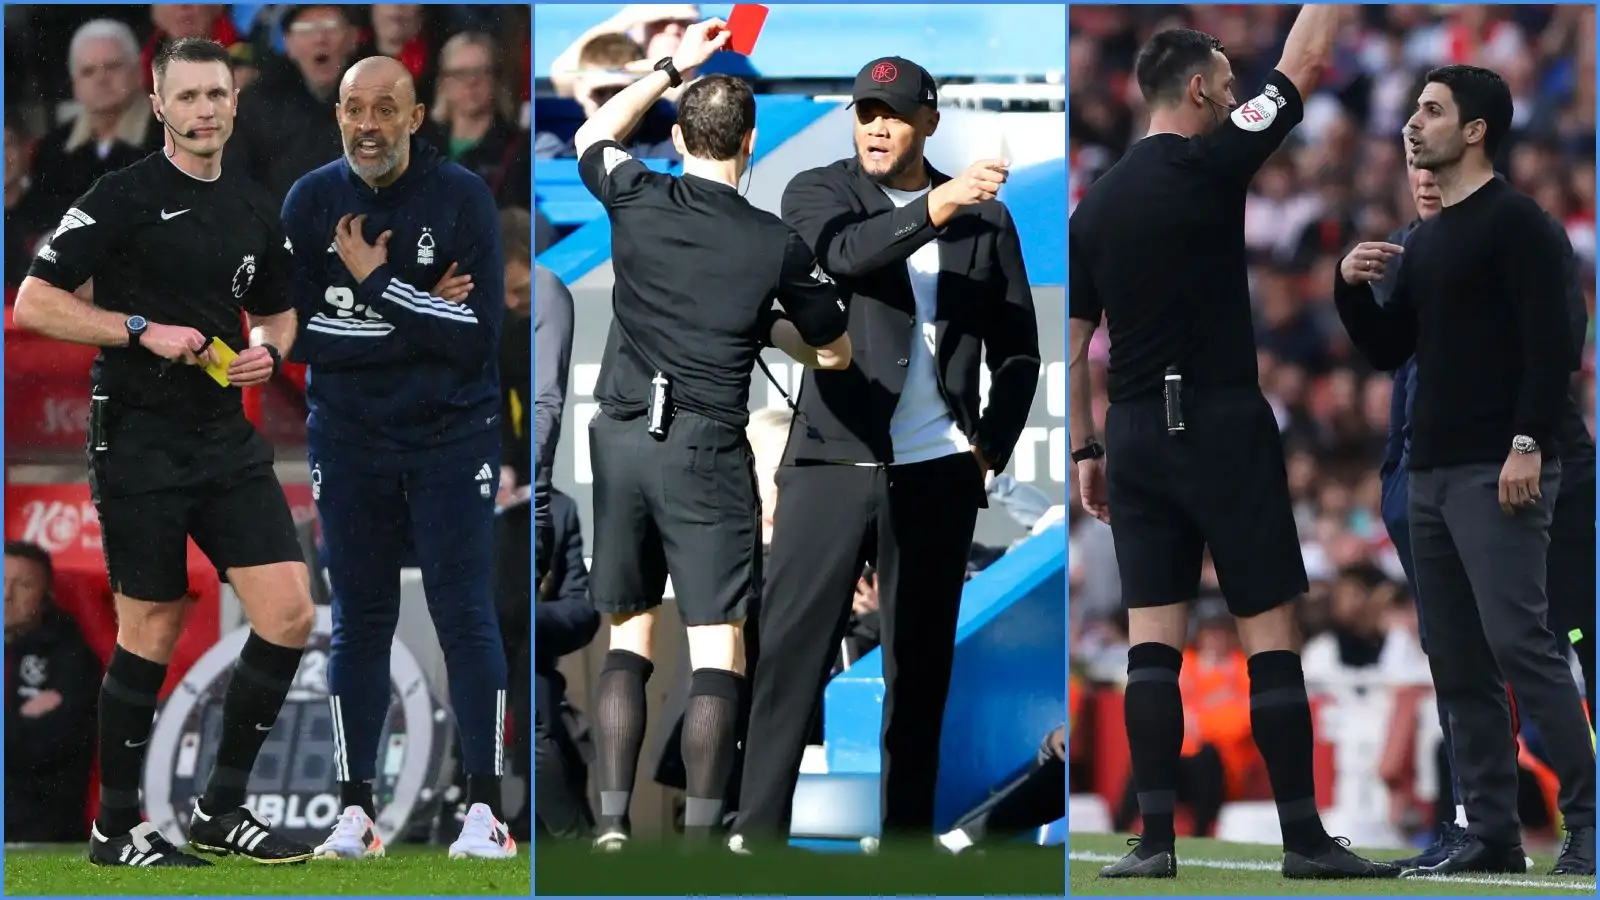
(1477, 857)
(237, 831)
(143, 846)
(1445, 842)
(1577, 852)
(1335, 861)
(1144, 862)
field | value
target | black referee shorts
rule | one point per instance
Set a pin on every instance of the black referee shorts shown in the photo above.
(1220, 483)
(154, 490)
(687, 506)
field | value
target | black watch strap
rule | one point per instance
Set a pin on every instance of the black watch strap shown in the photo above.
(277, 358)
(1091, 450)
(673, 75)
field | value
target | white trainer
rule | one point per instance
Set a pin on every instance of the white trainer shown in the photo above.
(483, 836)
(354, 837)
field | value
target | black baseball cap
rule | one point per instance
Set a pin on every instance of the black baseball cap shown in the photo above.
(898, 82)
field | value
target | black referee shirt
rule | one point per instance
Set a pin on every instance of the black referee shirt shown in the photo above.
(177, 250)
(697, 268)
(1157, 246)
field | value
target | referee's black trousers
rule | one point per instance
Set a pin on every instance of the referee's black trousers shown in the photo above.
(916, 521)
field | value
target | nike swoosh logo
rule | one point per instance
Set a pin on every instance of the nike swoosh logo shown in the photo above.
(139, 744)
(263, 727)
(166, 215)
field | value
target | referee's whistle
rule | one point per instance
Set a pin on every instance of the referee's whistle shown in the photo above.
(1173, 394)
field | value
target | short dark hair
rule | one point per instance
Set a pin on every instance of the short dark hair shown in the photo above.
(1479, 93)
(189, 49)
(515, 229)
(1169, 59)
(715, 113)
(33, 553)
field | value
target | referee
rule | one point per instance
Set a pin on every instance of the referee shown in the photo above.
(1482, 302)
(1192, 456)
(697, 268)
(175, 247)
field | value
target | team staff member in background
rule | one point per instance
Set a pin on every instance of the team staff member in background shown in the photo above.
(175, 245)
(1157, 248)
(564, 622)
(697, 268)
(1482, 303)
(552, 339)
(886, 461)
(1570, 568)
(52, 679)
(404, 436)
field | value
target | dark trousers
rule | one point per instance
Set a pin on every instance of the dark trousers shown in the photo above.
(560, 767)
(1481, 580)
(916, 522)
(369, 519)
(1572, 570)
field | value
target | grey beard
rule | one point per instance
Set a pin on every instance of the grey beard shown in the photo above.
(377, 168)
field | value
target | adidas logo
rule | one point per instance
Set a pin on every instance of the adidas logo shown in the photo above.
(484, 474)
(332, 248)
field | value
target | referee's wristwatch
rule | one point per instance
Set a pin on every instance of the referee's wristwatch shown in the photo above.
(1091, 450)
(673, 75)
(1524, 444)
(137, 326)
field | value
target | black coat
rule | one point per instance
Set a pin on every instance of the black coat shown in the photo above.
(48, 757)
(985, 308)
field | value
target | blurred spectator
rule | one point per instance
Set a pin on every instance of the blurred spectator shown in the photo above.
(475, 108)
(26, 218)
(285, 126)
(516, 355)
(181, 20)
(655, 29)
(398, 30)
(52, 682)
(113, 126)
(607, 63)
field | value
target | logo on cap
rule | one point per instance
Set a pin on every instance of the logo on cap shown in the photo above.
(883, 73)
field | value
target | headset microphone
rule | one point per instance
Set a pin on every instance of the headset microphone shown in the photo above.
(191, 134)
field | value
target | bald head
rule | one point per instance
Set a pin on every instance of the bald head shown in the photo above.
(380, 74)
(378, 113)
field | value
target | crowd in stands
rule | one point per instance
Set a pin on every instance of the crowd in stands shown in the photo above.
(1339, 179)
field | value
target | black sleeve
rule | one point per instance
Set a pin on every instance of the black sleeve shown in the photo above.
(270, 293)
(848, 242)
(1083, 301)
(1537, 267)
(89, 231)
(1010, 349)
(1385, 334)
(809, 297)
(1254, 130)
(612, 175)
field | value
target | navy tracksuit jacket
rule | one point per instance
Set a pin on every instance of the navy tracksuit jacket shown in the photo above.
(404, 435)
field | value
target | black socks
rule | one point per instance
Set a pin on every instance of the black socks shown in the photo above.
(261, 680)
(619, 727)
(1152, 711)
(710, 722)
(128, 699)
(1280, 720)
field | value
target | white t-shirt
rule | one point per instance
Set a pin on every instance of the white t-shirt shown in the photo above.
(921, 427)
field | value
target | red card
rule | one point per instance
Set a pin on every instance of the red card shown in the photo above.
(744, 26)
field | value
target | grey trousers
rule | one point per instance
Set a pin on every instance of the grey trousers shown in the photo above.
(1481, 583)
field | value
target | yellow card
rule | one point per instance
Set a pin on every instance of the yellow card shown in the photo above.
(224, 355)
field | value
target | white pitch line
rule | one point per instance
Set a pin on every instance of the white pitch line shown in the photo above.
(1237, 865)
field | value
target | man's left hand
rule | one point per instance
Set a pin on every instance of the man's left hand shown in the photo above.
(360, 257)
(1519, 481)
(43, 702)
(250, 368)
